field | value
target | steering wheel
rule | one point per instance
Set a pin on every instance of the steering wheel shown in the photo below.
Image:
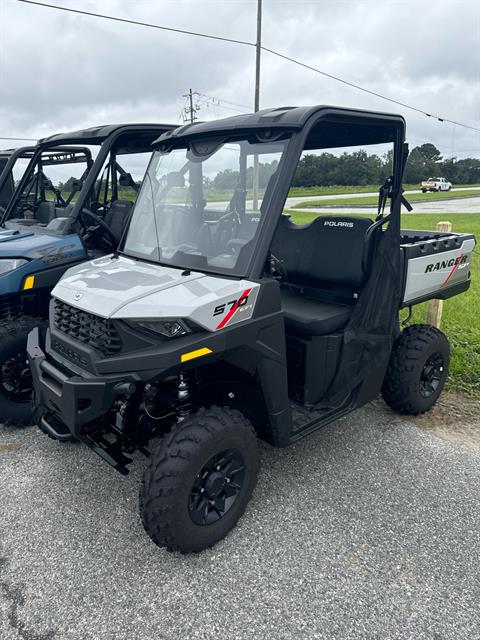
(101, 226)
(227, 226)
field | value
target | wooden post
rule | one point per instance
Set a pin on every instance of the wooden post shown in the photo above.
(435, 307)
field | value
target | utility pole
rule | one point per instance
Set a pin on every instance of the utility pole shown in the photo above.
(190, 112)
(258, 53)
(256, 106)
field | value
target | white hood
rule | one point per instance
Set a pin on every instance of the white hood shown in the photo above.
(126, 288)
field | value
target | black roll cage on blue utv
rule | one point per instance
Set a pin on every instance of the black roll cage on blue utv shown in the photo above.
(34, 177)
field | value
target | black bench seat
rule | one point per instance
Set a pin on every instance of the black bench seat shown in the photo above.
(310, 317)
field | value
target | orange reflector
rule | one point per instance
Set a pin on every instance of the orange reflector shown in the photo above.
(29, 282)
(185, 357)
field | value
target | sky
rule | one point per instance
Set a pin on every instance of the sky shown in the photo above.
(61, 71)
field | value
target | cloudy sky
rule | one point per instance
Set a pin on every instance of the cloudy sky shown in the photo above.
(60, 71)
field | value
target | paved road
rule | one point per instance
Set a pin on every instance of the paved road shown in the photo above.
(291, 202)
(369, 529)
(453, 206)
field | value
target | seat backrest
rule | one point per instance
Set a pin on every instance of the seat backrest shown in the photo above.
(331, 250)
(117, 217)
(45, 212)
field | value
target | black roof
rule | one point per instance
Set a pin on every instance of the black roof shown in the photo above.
(288, 119)
(6, 152)
(97, 135)
(28, 152)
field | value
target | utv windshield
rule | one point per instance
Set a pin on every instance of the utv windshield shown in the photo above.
(201, 208)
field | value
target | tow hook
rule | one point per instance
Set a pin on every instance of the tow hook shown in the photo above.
(121, 405)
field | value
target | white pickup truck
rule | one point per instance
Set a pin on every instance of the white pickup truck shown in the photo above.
(436, 184)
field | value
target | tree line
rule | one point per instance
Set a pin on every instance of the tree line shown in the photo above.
(361, 168)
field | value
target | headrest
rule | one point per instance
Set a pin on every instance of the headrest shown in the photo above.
(76, 185)
(330, 249)
(126, 180)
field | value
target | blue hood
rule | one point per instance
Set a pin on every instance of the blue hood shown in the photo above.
(44, 251)
(47, 247)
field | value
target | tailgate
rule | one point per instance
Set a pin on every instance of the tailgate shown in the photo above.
(436, 265)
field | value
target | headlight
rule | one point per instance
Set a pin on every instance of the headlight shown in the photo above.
(10, 264)
(166, 328)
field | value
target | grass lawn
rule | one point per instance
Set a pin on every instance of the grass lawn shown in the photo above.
(373, 200)
(461, 314)
(338, 189)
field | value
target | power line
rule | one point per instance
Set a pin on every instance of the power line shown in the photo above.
(204, 100)
(373, 93)
(141, 24)
(26, 139)
(253, 44)
(222, 100)
(195, 101)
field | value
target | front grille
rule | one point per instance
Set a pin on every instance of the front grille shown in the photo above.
(97, 332)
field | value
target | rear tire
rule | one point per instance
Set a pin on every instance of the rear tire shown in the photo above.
(199, 479)
(15, 378)
(417, 370)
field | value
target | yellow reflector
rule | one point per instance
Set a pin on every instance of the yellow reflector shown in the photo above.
(29, 282)
(195, 354)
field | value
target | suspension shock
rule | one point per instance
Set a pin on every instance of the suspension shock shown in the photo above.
(184, 400)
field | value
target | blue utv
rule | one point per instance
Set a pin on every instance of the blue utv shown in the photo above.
(45, 229)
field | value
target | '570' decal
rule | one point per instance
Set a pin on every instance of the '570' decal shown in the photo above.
(233, 306)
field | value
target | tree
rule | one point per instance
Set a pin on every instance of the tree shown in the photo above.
(67, 186)
(430, 152)
(227, 179)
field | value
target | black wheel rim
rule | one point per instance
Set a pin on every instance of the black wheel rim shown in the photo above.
(432, 374)
(16, 379)
(216, 487)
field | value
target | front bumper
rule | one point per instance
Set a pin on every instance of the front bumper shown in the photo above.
(72, 401)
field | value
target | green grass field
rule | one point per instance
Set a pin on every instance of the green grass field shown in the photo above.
(373, 200)
(461, 315)
(339, 190)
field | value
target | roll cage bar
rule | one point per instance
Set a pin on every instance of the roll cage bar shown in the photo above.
(129, 138)
(59, 155)
(307, 128)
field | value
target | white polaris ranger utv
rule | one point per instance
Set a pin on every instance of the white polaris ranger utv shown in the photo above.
(220, 320)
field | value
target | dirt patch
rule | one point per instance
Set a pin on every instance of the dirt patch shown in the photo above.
(454, 417)
(9, 447)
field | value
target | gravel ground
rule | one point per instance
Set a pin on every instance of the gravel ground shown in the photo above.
(367, 529)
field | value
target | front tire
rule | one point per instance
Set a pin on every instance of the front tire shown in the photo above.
(199, 479)
(15, 378)
(417, 370)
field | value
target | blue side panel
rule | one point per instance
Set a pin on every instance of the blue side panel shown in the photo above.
(42, 250)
